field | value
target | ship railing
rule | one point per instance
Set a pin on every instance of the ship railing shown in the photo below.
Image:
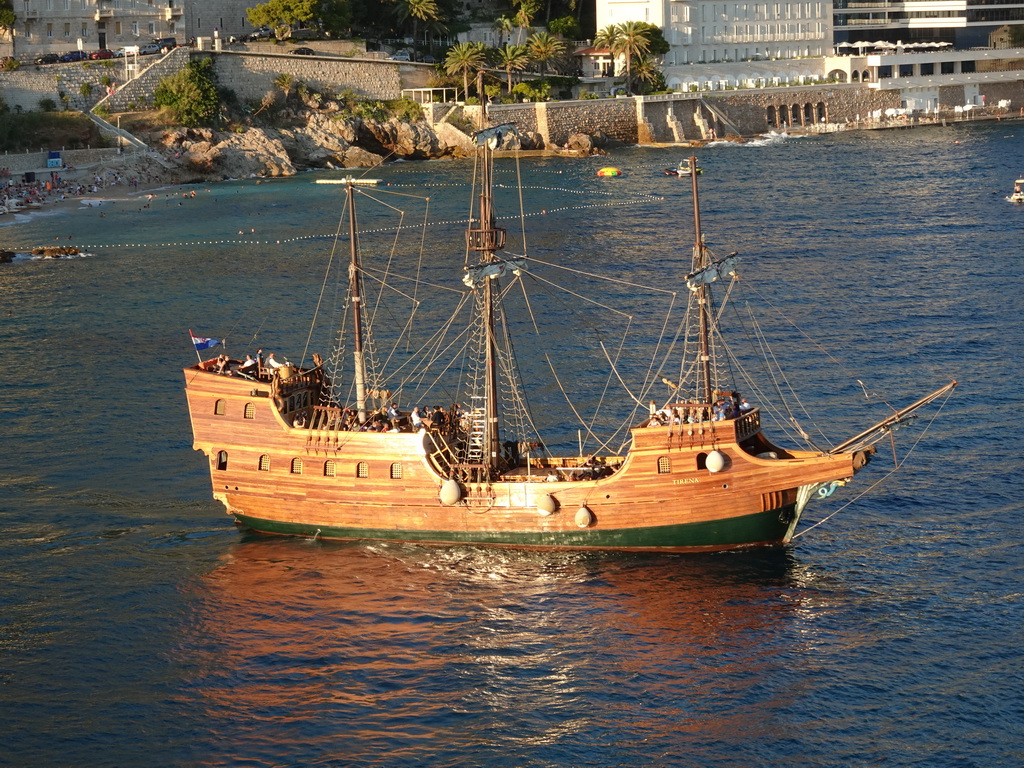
(748, 424)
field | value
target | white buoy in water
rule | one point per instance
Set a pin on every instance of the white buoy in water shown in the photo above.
(547, 504)
(715, 461)
(451, 492)
(584, 517)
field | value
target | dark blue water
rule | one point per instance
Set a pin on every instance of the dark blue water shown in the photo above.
(139, 627)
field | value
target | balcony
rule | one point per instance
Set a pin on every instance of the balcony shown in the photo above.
(173, 13)
(102, 14)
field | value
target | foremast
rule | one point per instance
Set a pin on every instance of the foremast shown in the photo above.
(701, 260)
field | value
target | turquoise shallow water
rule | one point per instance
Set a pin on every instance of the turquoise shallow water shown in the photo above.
(138, 626)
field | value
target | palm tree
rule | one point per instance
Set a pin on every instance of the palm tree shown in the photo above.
(504, 26)
(417, 10)
(513, 58)
(544, 47)
(527, 10)
(628, 39)
(465, 58)
(647, 71)
(285, 82)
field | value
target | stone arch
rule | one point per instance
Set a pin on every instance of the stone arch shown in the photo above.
(821, 112)
(794, 114)
(865, 76)
(838, 75)
(855, 76)
(771, 115)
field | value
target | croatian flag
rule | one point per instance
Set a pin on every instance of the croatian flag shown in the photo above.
(201, 343)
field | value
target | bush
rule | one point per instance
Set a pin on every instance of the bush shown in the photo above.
(191, 94)
(405, 109)
(47, 105)
(102, 111)
(85, 89)
(589, 95)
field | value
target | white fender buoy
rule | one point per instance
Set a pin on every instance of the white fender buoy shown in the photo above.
(451, 492)
(584, 517)
(715, 461)
(547, 504)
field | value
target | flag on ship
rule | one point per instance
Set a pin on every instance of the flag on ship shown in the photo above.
(203, 343)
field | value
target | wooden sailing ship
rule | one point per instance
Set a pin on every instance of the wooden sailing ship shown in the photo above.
(309, 451)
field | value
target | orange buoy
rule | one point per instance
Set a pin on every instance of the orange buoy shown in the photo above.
(609, 172)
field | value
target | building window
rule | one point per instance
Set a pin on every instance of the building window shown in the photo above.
(396, 471)
(362, 469)
(296, 466)
(222, 460)
(117, 28)
(664, 465)
(85, 30)
(250, 411)
(49, 30)
(218, 408)
(264, 465)
(329, 468)
(151, 27)
(135, 28)
(67, 29)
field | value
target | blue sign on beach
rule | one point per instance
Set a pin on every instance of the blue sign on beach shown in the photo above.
(53, 160)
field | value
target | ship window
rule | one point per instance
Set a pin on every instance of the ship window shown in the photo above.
(250, 411)
(296, 466)
(702, 461)
(362, 469)
(328, 468)
(664, 465)
(396, 471)
(218, 408)
(264, 465)
(222, 460)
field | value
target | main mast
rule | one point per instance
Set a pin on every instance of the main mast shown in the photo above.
(700, 261)
(486, 239)
(355, 290)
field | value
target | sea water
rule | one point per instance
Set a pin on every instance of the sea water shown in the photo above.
(140, 627)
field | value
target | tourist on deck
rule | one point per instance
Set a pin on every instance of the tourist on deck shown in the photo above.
(394, 416)
(248, 366)
(745, 406)
(415, 419)
(272, 364)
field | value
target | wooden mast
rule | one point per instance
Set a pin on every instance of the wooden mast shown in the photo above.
(355, 294)
(703, 297)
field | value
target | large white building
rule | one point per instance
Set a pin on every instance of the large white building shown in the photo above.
(65, 25)
(702, 31)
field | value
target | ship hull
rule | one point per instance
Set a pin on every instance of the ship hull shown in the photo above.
(278, 479)
(762, 529)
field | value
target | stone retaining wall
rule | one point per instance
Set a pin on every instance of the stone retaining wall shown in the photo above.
(36, 161)
(250, 76)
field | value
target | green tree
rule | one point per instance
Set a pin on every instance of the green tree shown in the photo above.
(512, 58)
(281, 14)
(336, 17)
(566, 27)
(543, 48)
(417, 10)
(648, 72)
(524, 16)
(465, 58)
(629, 39)
(658, 45)
(190, 94)
(6, 16)
(285, 83)
(504, 26)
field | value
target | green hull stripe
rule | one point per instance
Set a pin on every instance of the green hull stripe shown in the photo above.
(749, 530)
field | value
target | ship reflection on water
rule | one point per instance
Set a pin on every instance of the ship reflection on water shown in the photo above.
(404, 650)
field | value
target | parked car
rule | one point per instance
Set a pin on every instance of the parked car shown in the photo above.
(48, 58)
(304, 52)
(401, 56)
(428, 59)
(148, 48)
(165, 43)
(260, 32)
(75, 56)
(102, 53)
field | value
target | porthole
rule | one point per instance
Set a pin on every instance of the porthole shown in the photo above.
(250, 411)
(362, 469)
(702, 461)
(264, 465)
(329, 468)
(222, 460)
(396, 471)
(296, 466)
(218, 408)
(664, 465)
